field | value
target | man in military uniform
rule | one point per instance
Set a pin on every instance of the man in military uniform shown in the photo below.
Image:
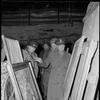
(58, 60)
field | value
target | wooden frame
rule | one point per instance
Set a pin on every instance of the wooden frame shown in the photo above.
(16, 66)
(12, 50)
(14, 82)
(69, 78)
(91, 49)
(82, 72)
(16, 72)
(93, 77)
(78, 72)
(13, 53)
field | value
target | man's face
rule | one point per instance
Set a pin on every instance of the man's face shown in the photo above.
(46, 47)
(61, 47)
(31, 49)
(54, 46)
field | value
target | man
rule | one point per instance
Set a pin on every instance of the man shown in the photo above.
(44, 53)
(53, 44)
(58, 60)
(43, 72)
(47, 69)
(30, 55)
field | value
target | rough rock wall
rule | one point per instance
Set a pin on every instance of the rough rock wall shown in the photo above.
(23, 33)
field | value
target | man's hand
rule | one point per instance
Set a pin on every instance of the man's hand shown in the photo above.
(38, 60)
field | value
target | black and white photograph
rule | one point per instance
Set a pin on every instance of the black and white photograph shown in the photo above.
(49, 50)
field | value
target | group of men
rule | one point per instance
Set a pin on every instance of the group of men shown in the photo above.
(54, 61)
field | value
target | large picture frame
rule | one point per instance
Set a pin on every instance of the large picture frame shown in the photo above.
(24, 81)
(19, 71)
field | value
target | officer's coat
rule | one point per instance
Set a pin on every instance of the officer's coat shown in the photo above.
(58, 70)
(30, 57)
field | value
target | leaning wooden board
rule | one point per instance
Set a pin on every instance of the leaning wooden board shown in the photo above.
(27, 81)
(14, 55)
(69, 78)
(35, 82)
(93, 77)
(82, 72)
(91, 49)
(77, 82)
(14, 82)
(12, 49)
(79, 72)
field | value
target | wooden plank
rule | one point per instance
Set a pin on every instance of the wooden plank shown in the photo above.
(20, 66)
(79, 73)
(14, 82)
(93, 77)
(37, 88)
(72, 67)
(91, 50)
(12, 49)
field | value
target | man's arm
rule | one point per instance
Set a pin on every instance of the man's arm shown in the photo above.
(46, 62)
